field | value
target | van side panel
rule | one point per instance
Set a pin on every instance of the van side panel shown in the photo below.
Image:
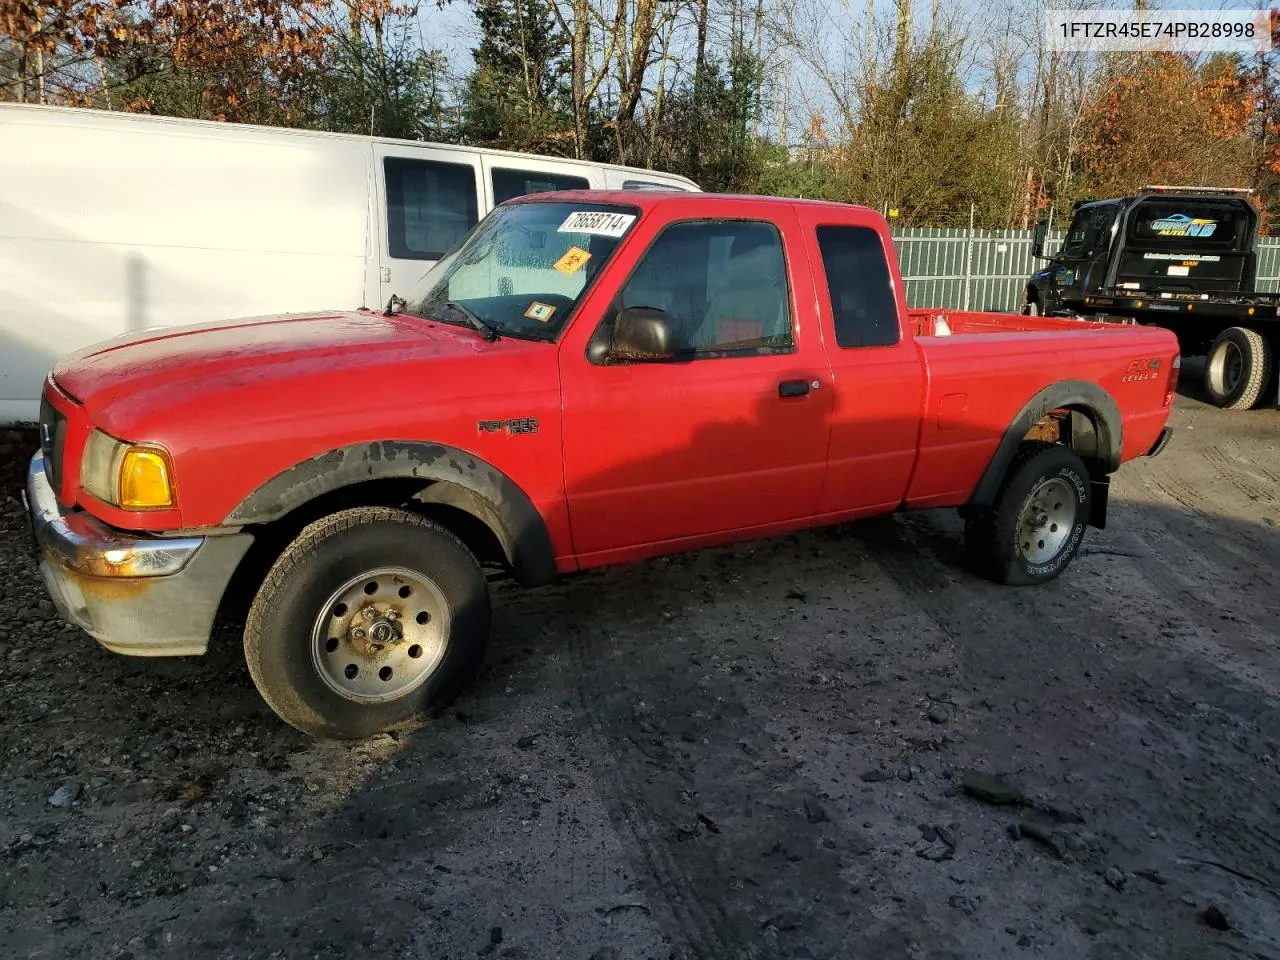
(110, 226)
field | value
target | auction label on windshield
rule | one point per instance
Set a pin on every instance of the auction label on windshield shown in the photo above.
(597, 222)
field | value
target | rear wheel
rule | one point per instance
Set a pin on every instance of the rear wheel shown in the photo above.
(370, 618)
(1237, 369)
(1034, 527)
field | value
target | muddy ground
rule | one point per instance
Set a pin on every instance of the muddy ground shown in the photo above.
(838, 744)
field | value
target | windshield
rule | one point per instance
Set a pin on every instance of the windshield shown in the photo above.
(524, 268)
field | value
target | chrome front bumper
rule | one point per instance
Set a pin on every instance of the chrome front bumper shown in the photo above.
(134, 594)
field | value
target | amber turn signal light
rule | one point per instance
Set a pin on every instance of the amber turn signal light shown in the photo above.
(145, 480)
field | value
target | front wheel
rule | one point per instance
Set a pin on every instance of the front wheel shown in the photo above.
(1034, 527)
(370, 618)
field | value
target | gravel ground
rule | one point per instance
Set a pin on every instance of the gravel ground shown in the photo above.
(837, 744)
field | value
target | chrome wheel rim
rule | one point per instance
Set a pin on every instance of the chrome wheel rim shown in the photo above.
(1047, 517)
(380, 635)
(1227, 367)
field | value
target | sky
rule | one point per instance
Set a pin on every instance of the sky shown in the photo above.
(453, 30)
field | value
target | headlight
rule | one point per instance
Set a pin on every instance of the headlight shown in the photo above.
(130, 476)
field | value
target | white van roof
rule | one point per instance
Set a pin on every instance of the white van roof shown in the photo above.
(86, 116)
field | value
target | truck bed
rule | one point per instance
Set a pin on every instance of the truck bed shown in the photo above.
(943, 323)
(982, 368)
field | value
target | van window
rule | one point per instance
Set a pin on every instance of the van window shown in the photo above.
(651, 185)
(430, 206)
(520, 183)
(861, 290)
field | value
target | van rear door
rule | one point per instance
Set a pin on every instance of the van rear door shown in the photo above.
(428, 198)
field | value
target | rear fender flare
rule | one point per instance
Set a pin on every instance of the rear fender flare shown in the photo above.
(1078, 394)
(455, 477)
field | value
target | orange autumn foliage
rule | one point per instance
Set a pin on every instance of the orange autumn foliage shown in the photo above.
(1160, 119)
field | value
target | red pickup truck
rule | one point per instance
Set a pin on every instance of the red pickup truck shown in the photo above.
(589, 378)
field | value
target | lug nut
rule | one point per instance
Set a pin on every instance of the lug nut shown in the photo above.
(358, 633)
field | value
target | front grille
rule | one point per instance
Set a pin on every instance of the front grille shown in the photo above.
(53, 436)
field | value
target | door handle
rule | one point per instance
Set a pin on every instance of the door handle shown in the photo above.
(793, 388)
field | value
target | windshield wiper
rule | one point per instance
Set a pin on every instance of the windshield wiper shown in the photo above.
(485, 331)
(392, 309)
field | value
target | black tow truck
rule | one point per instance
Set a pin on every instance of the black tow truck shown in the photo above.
(1183, 258)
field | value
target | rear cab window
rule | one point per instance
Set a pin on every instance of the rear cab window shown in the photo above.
(859, 285)
(1166, 224)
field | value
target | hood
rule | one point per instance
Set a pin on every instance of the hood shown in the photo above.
(233, 354)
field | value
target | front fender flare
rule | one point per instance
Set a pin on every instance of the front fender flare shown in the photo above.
(457, 478)
(1077, 394)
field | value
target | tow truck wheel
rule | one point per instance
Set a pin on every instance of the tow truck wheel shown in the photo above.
(369, 619)
(1238, 369)
(1032, 530)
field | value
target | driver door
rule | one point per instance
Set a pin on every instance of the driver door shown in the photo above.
(730, 436)
(1083, 258)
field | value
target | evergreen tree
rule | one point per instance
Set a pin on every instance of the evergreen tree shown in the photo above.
(516, 98)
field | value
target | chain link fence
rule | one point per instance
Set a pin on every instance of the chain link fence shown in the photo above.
(965, 269)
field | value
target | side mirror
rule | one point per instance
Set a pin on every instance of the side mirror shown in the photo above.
(1037, 239)
(642, 333)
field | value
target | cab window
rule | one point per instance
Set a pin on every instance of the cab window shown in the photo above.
(863, 307)
(723, 283)
(1090, 232)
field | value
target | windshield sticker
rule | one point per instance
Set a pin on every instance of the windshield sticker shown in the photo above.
(1180, 225)
(542, 312)
(575, 259)
(597, 222)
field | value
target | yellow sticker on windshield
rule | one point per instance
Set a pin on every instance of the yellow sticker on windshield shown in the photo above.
(542, 312)
(572, 261)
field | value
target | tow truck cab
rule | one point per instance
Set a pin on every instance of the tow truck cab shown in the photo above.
(1183, 258)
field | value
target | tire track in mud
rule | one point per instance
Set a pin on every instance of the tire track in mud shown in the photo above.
(1230, 468)
(1196, 620)
(1229, 550)
(1202, 827)
(715, 812)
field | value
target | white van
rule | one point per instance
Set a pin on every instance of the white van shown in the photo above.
(112, 223)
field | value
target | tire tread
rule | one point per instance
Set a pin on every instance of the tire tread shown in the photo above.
(982, 530)
(286, 704)
(1257, 368)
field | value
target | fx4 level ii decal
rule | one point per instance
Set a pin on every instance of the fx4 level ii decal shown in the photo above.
(1140, 370)
(512, 427)
(1180, 225)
